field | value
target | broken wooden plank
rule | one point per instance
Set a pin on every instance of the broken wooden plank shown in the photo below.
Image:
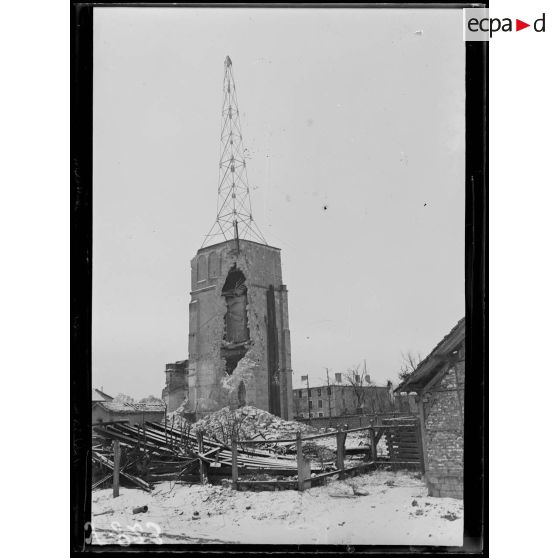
(108, 463)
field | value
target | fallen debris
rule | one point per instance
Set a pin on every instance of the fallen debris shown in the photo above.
(251, 422)
(103, 513)
(156, 452)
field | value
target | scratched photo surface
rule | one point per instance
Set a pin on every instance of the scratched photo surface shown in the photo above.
(278, 276)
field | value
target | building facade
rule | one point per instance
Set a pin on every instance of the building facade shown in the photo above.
(175, 392)
(439, 381)
(239, 339)
(338, 400)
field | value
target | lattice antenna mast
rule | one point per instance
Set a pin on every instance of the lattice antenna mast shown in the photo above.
(234, 208)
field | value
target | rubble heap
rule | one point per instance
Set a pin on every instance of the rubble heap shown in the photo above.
(247, 423)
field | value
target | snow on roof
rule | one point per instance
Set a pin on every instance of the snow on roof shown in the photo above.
(429, 365)
(122, 407)
(98, 395)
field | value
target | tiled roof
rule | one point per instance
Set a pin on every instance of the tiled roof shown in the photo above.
(122, 407)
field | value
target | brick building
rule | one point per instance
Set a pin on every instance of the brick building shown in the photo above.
(176, 384)
(337, 400)
(439, 381)
(239, 339)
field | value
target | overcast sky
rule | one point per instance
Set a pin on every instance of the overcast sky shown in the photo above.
(357, 111)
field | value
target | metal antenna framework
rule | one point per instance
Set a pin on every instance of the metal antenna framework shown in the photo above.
(234, 208)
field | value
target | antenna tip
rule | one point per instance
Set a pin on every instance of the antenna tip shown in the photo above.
(228, 61)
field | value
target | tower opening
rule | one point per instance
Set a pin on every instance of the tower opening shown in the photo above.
(236, 332)
(241, 394)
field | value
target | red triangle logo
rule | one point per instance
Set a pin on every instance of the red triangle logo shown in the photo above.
(519, 25)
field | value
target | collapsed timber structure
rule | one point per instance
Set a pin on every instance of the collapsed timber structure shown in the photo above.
(153, 452)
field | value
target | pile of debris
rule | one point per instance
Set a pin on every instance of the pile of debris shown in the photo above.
(154, 452)
(245, 423)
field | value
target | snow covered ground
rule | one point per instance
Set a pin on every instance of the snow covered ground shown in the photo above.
(396, 510)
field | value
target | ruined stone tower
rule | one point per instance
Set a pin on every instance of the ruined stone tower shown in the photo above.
(239, 340)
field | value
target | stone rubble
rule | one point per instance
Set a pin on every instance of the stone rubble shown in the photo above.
(250, 422)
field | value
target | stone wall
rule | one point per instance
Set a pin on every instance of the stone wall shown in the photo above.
(443, 430)
(342, 400)
(210, 386)
(406, 403)
(352, 421)
(176, 384)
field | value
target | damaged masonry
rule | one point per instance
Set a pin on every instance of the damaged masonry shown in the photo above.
(239, 341)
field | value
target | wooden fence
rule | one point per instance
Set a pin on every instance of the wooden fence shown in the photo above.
(404, 450)
(156, 451)
(352, 421)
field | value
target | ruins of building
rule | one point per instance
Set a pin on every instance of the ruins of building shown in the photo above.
(175, 391)
(439, 381)
(239, 340)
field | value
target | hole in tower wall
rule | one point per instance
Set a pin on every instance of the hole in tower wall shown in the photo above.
(241, 394)
(231, 361)
(236, 332)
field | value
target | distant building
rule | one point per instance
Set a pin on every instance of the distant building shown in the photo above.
(176, 384)
(439, 381)
(340, 399)
(105, 408)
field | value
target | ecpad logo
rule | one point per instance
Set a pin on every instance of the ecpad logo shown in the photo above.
(478, 26)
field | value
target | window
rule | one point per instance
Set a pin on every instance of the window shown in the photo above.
(311, 415)
(320, 414)
(328, 390)
(202, 268)
(319, 392)
(310, 405)
(300, 393)
(309, 393)
(320, 403)
(357, 378)
(214, 264)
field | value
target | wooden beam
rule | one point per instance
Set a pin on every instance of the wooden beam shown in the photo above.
(423, 439)
(303, 465)
(340, 461)
(116, 470)
(373, 451)
(109, 422)
(234, 463)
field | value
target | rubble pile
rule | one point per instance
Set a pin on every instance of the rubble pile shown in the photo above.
(249, 423)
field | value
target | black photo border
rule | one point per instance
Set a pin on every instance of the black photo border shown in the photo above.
(476, 294)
